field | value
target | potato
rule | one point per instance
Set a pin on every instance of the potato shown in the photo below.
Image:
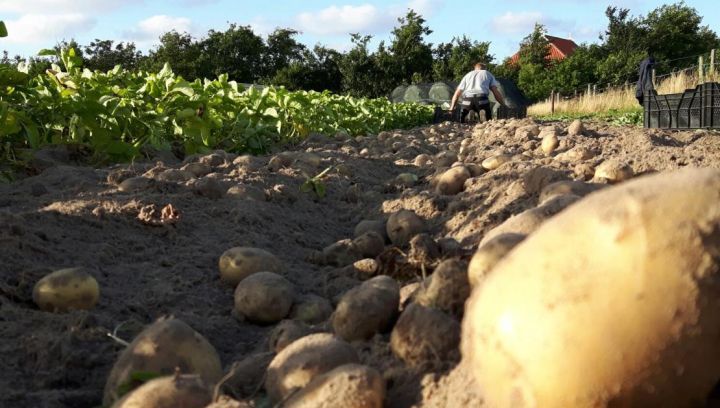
(422, 160)
(348, 386)
(403, 225)
(476, 170)
(208, 187)
(452, 181)
(311, 309)
(286, 332)
(448, 288)
(197, 169)
(341, 253)
(174, 176)
(367, 309)
(160, 348)
(365, 268)
(613, 171)
(238, 263)
(246, 192)
(369, 244)
(622, 302)
(529, 220)
(408, 293)
(576, 154)
(176, 391)
(301, 361)
(406, 179)
(534, 180)
(567, 187)
(549, 143)
(133, 184)
(424, 334)
(493, 162)
(245, 377)
(445, 159)
(489, 254)
(66, 289)
(370, 225)
(576, 128)
(264, 297)
(423, 250)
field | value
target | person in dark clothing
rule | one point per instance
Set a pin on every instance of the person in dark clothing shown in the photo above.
(645, 83)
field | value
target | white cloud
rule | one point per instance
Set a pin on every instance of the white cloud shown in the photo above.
(44, 28)
(345, 19)
(152, 28)
(425, 7)
(61, 7)
(517, 23)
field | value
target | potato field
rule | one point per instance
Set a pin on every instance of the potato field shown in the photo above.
(173, 244)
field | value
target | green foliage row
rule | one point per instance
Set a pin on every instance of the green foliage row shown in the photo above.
(120, 111)
(615, 117)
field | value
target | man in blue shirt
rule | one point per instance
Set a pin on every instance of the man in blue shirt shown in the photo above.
(475, 88)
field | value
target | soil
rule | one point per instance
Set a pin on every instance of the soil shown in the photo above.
(152, 260)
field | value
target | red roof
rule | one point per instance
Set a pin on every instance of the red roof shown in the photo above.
(560, 48)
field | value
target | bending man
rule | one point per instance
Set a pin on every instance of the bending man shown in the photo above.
(474, 88)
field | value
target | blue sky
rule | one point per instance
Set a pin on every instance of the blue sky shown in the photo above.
(36, 24)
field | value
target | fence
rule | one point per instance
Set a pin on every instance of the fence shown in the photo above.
(593, 98)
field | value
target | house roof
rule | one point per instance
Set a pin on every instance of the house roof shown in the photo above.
(560, 48)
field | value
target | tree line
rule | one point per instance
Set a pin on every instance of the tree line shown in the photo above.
(670, 33)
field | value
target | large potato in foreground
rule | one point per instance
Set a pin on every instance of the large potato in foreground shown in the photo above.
(348, 386)
(66, 289)
(160, 348)
(176, 391)
(297, 364)
(367, 309)
(238, 263)
(264, 297)
(621, 306)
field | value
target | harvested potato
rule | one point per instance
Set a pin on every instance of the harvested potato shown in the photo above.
(613, 171)
(534, 180)
(311, 309)
(423, 250)
(367, 309)
(66, 289)
(246, 192)
(175, 391)
(406, 179)
(245, 377)
(213, 159)
(370, 225)
(621, 302)
(303, 360)
(208, 187)
(238, 263)
(286, 332)
(476, 170)
(197, 169)
(445, 159)
(280, 161)
(175, 176)
(489, 254)
(422, 160)
(408, 293)
(567, 187)
(369, 244)
(425, 335)
(365, 268)
(403, 225)
(341, 253)
(549, 143)
(448, 288)
(264, 297)
(529, 220)
(493, 162)
(133, 184)
(348, 386)
(578, 153)
(160, 348)
(576, 128)
(452, 181)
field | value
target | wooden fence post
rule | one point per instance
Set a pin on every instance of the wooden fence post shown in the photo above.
(589, 91)
(595, 90)
(552, 102)
(653, 79)
(701, 70)
(712, 63)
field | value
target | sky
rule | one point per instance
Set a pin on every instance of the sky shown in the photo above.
(37, 24)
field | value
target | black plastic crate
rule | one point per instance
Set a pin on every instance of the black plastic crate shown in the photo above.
(711, 105)
(504, 112)
(692, 109)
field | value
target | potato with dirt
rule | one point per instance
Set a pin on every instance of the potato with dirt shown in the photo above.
(286, 332)
(447, 288)
(303, 360)
(238, 263)
(489, 254)
(367, 309)
(369, 244)
(311, 309)
(622, 302)
(175, 391)
(425, 335)
(160, 348)
(452, 181)
(347, 386)
(65, 290)
(403, 225)
(264, 298)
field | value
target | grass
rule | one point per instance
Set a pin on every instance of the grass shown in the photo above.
(616, 105)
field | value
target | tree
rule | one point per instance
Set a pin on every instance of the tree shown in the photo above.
(282, 49)
(358, 68)
(238, 52)
(180, 51)
(408, 48)
(101, 55)
(535, 47)
(319, 71)
(535, 81)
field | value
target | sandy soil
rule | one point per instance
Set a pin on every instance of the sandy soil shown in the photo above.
(71, 215)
